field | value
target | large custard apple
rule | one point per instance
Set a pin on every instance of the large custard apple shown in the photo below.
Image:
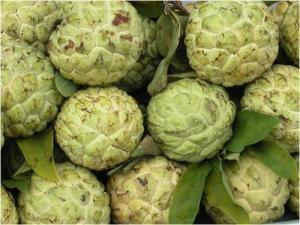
(78, 197)
(289, 32)
(99, 128)
(191, 119)
(29, 99)
(256, 188)
(32, 21)
(9, 214)
(277, 93)
(98, 42)
(278, 10)
(144, 69)
(142, 195)
(293, 202)
(231, 42)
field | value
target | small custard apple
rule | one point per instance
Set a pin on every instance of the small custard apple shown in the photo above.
(144, 69)
(98, 42)
(191, 119)
(99, 128)
(78, 197)
(293, 202)
(277, 93)
(142, 195)
(231, 42)
(289, 32)
(256, 188)
(29, 99)
(32, 21)
(9, 214)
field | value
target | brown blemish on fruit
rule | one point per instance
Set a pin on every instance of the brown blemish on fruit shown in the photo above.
(127, 37)
(71, 44)
(120, 17)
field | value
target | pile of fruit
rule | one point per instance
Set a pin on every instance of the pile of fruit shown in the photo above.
(149, 112)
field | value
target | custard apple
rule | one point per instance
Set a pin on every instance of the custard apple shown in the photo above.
(29, 99)
(191, 119)
(293, 202)
(289, 32)
(9, 214)
(256, 188)
(142, 195)
(32, 21)
(78, 197)
(277, 93)
(231, 42)
(98, 42)
(144, 69)
(99, 128)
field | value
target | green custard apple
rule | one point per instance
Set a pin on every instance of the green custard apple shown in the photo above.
(293, 202)
(231, 42)
(9, 214)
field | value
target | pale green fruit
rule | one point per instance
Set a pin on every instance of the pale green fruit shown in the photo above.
(256, 188)
(289, 32)
(144, 69)
(277, 93)
(78, 197)
(99, 128)
(29, 99)
(98, 42)
(9, 214)
(293, 202)
(231, 42)
(32, 21)
(142, 195)
(191, 119)
(278, 10)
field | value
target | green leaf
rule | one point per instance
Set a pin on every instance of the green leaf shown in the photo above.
(38, 153)
(146, 147)
(65, 87)
(22, 169)
(186, 198)
(21, 185)
(150, 9)
(277, 158)
(249, 128)
(160, 79)
(217, 195)
(268, 3)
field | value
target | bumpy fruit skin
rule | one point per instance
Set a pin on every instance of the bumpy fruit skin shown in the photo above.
(98, 42)
(29, 99)
(278, 10)
(9, 214)
(142, 195)
(256, 188)
(293, 202)
(78, 197)
(277, 93)
(144, 69)
(231, 42)
(191, 119)
(289, 33)
(98, 128)
(32, 21)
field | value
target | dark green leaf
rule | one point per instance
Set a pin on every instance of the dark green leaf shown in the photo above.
(38, 153)
(268, 3)
(249, 128)
(186, 198)
(23, 169)
(277, 158)
(21, 185)
(160, 79)
(65, 87)
(217, 195)
(150, 9)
